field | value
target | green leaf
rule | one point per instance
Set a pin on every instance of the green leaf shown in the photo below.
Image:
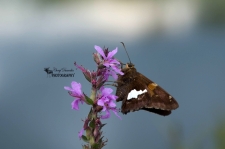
(89, 101)
(84, 138)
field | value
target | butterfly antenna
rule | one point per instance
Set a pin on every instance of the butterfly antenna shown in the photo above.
(126, 52)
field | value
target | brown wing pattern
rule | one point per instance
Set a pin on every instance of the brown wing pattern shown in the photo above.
(155, 100)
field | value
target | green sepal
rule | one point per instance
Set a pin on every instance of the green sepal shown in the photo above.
(84, 138)
(95, 146)
(88, 100)
(90, 114)
(92, 124)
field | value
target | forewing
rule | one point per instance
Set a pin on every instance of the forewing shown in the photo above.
(148, 95)
(138, 102)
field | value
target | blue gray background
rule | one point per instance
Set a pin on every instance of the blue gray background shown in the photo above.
(35, 111)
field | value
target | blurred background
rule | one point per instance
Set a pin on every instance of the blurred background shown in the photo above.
(179, 44)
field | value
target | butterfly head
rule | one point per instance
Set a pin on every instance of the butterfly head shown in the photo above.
(128, 69)
(129, 65)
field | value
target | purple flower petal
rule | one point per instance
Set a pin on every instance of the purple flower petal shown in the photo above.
(106, 91)
(75, 104)
(112, 104)
(115, 112)
(112, 53)
(75, 91)
(80, 133)
(117, 70)
(109, 72)
(100, 102)
(106, 64)
(114, 61)
(107, 115)
(100, 51)
(113, 97)
(104, 108)
(114, 75)
(68, 88)
(76, 87)
(101, 89)
(106, 74)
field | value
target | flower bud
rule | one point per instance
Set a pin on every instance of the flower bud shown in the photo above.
(86, 124)
(96, 131)
(97, 58)
(87, 73)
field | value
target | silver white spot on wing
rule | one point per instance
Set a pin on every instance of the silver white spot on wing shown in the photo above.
(134, 93)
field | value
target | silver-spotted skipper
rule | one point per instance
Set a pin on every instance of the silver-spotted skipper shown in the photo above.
(137, 92)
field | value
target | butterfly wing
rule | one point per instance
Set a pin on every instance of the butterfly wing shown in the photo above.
(154, 99)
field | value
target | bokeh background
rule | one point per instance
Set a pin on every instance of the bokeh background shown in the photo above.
(179, 44)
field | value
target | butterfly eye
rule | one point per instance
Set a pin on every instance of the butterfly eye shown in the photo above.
(130, 65)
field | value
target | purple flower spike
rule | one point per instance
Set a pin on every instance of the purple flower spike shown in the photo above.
(76, 92)
(106, 100)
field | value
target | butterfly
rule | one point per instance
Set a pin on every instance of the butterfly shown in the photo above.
(137, 92)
